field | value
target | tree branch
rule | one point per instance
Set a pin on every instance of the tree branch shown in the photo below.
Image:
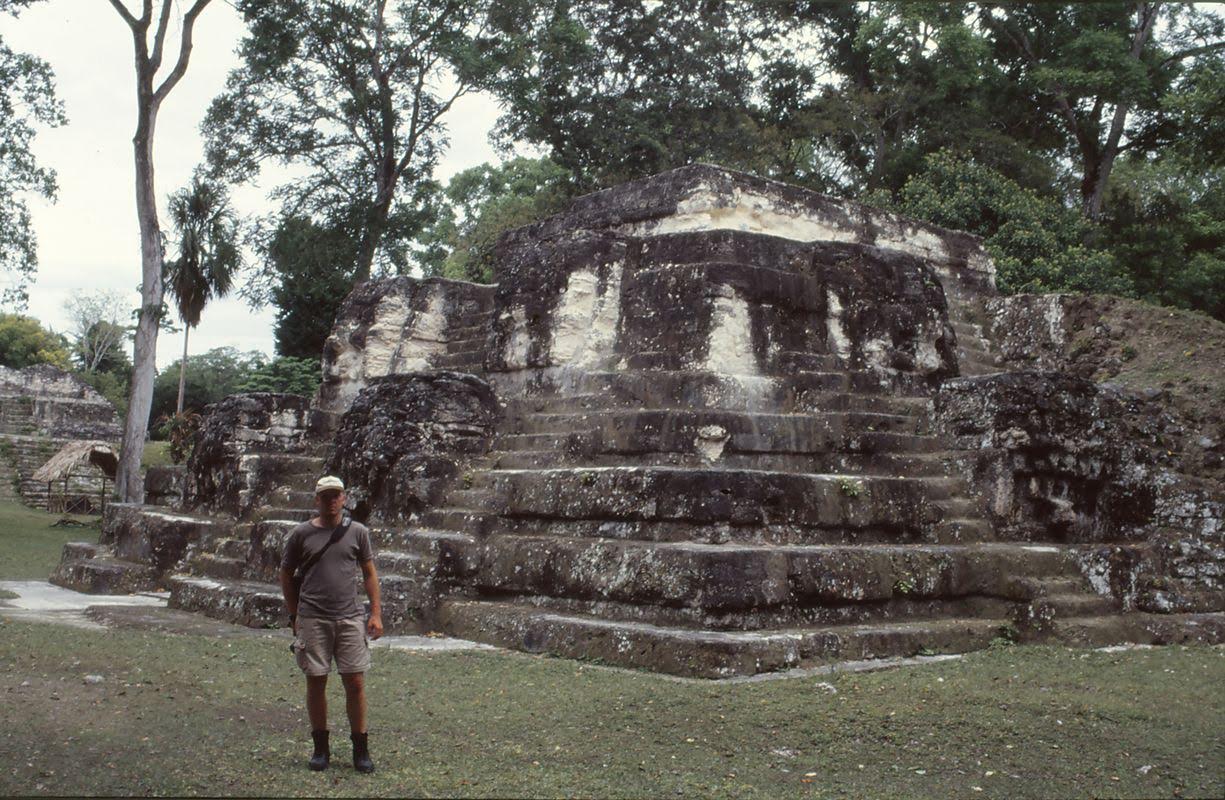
(159, 37)
(127, 15)
(1190, 51)
(180, 67)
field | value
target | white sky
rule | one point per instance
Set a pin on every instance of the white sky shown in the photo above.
(89, 240)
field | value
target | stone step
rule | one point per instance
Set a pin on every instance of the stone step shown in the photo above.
(810, 402)
(1141, 628)
(914, 465)
(105, 574)
(705, 654)
(739, 497)
(1079, 604)
(233, 548)
(441, 553)
(692, 389)
(471, 498)
(283, 514)
(740, 576)
(743, 428)
(286, 497)
(470, 347)
(210, 565)
(560, 442)
(781, 533)
(962, 529)
(78, 550)
(250, 603)
(465, 520)
(408, 602)
(468, 333)
(459, 362)
(804, 434)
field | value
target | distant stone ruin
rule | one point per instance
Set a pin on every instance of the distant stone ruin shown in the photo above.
(42, 409)
(709, 425)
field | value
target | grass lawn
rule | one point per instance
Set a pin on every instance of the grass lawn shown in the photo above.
(30, 546)
(186, 715)
(191, 715)
(155, 454)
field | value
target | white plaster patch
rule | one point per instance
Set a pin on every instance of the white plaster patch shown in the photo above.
(519, 341)
(423, 337)
(585, 323)
(731, 338)
(1054, 318)
(705, 208)
(833, 324)
(383, 336)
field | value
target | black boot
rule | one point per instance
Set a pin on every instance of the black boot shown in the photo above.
(319, 761)
(361, 753)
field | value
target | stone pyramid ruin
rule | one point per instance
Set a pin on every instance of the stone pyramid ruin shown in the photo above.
(709, 425)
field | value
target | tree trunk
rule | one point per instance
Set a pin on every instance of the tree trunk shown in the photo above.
(129, 482)
(376, 223)
(178, 408)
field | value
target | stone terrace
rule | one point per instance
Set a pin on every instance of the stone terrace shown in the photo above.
(700, 426)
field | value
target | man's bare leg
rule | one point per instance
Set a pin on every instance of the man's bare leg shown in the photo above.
(355, 700)
(317, 701)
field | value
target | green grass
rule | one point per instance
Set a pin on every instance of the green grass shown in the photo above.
(155, 454)
(31, 546)
(186, 715)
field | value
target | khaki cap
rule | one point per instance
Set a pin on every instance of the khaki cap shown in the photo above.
(329, 483)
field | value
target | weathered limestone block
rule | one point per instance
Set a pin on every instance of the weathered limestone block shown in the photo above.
(724, 302)
(43, 400)
(224, 472)
(406, 437)
(396, 326)
(165, 485)
(159, 539)
(1063, 458)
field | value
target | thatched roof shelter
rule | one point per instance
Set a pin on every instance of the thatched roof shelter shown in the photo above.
(76, 454)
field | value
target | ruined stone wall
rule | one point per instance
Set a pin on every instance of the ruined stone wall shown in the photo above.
(224, 471)
(1061, 458)
(406, 439)
(630, 279)
(397, 326)
(42, 408)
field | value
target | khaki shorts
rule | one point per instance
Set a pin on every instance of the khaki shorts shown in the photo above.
(321, 640)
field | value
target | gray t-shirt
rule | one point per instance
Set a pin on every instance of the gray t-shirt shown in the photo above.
(330, 588)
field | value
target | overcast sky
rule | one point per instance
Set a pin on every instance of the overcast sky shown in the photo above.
(88, 240)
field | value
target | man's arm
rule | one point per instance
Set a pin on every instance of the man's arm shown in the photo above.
(289, 591)
(370, 579)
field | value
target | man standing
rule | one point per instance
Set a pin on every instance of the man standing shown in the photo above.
(318, 579)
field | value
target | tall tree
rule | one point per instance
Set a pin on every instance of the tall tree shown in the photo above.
(617, 89)
(27, 99)
(1102, 72)
(208, 256)
(354, 93)
(151, 92)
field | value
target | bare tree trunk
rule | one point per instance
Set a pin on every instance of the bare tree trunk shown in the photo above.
(129, 484)
(178, 408)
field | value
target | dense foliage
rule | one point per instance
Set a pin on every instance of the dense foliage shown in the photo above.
(27, 101)
(1084, 141)
(24, 342)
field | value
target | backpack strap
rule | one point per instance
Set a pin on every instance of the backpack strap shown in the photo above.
(310, 563)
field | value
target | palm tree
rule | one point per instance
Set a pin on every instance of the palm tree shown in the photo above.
(208, 256)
